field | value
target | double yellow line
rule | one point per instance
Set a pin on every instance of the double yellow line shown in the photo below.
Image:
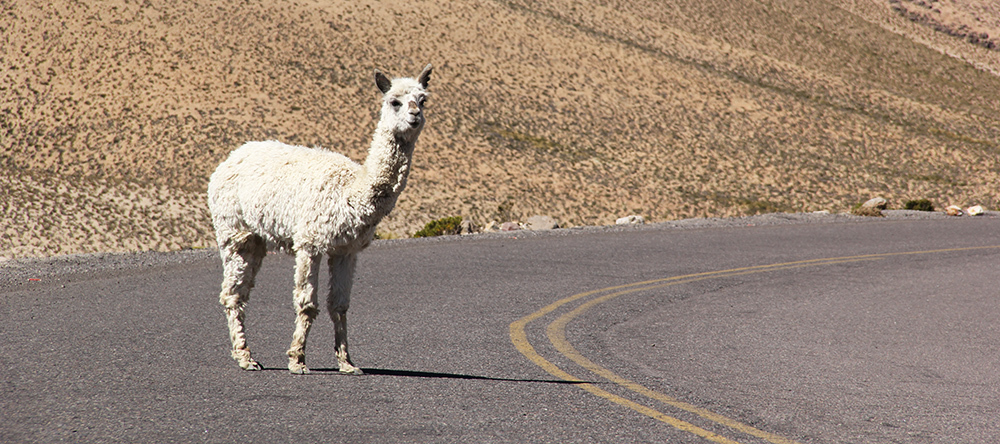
(556, 333)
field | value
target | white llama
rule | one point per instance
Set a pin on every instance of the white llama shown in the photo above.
(310, 202)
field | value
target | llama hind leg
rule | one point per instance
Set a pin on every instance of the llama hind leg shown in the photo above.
(304, 299)
(241, 259)
(341, 281)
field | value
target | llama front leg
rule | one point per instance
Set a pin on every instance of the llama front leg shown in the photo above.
(304, 296)
(241, 259)
(339, 300)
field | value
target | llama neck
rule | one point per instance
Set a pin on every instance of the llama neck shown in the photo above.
(383, 175)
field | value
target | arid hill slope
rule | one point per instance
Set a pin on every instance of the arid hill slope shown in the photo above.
(115, 114)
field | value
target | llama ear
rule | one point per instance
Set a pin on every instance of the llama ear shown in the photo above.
(383, 82)
(425, 76)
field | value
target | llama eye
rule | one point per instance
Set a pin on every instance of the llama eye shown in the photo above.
(396, 103)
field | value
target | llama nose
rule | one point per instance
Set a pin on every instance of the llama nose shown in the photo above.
(414, 109)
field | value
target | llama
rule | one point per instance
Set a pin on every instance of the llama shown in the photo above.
(311, 202)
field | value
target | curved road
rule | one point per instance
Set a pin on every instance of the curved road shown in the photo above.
(846, 331)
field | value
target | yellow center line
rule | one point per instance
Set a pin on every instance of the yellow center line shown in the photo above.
(521, 342)
(557, 336)
(556, 331)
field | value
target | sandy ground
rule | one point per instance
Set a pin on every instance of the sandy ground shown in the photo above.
(115, 114)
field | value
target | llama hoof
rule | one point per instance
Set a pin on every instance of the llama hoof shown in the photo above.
(244, 360)
(350, 370)
(250, 366)
(298, 369)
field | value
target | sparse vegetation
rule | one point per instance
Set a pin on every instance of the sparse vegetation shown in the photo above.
(703, 109)
(385, 235)
(754, 206)
(519, 141)
(443, 226)
(505, 210)
(860, 209)
(919, 205)
(749, 205)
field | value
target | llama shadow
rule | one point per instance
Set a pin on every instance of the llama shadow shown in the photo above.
(436, 375)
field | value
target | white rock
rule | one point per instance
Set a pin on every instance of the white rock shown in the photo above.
(541, 223)
(953, 210)
(510, 226)
(974, 210)
(877, 203)
(630, 220)
(873, 207)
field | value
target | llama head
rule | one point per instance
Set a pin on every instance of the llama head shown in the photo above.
(403, 103)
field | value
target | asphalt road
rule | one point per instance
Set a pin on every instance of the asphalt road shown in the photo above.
(862, 332)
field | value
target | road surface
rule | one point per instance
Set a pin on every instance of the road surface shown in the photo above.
(867, 332)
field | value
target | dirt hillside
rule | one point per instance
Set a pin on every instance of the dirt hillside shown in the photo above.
(113, 115)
